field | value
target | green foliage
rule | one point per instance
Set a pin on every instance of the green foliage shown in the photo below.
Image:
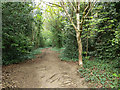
(17, 27)
(100, 73)
(37, 51)
(106, 32)
(32, 54)
(16, 30)
(101, 32)
(59, 50)
(61, 56)
(55, 29)
(37, 36)
(53, 33)
(70, 44)
(70, 41)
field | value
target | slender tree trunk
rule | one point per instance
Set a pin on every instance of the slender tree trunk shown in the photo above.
(79, 48)
(32, 35)
(87, 47)
(78, 34)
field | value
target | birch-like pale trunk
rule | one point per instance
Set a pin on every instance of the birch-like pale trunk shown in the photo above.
(78, 34)
(79, 48)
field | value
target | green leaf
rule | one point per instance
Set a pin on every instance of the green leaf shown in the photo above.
(115, 75)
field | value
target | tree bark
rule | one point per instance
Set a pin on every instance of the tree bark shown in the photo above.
(87, 47)
(79, 48)
(78, 34)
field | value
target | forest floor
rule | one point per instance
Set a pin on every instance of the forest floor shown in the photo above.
(45, 71)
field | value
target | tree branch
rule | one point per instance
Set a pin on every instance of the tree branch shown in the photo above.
(85, 15)
(82, 20)
(50, 5)
(72, 5)
(71, 20)
(90, 9)
(54, 4)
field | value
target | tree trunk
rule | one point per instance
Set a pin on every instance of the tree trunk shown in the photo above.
(87, 47)
(78, 34)
(79, 48)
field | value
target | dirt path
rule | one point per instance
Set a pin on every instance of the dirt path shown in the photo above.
(46, 71)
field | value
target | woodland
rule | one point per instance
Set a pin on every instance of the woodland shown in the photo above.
(84, 33)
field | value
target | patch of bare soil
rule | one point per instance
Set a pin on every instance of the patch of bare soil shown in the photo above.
(46, 71)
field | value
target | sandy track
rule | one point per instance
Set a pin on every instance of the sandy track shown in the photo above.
(46, 71)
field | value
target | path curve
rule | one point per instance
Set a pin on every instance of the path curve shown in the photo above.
(46, 71)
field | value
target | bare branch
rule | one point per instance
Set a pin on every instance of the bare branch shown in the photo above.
(55, 4)
(85, 9)
(90, 8)
(52, 4)
(82, 20)
(85, 15)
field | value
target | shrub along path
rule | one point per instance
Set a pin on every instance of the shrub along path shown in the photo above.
(45, 71)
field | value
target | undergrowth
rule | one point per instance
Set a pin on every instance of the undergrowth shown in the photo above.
(100, 73)
(59, 50)
(33, 53)
(28, 56)
(61, 56)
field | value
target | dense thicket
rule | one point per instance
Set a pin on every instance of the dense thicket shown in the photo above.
(106, 41)
(70, 44)
(17, 22)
